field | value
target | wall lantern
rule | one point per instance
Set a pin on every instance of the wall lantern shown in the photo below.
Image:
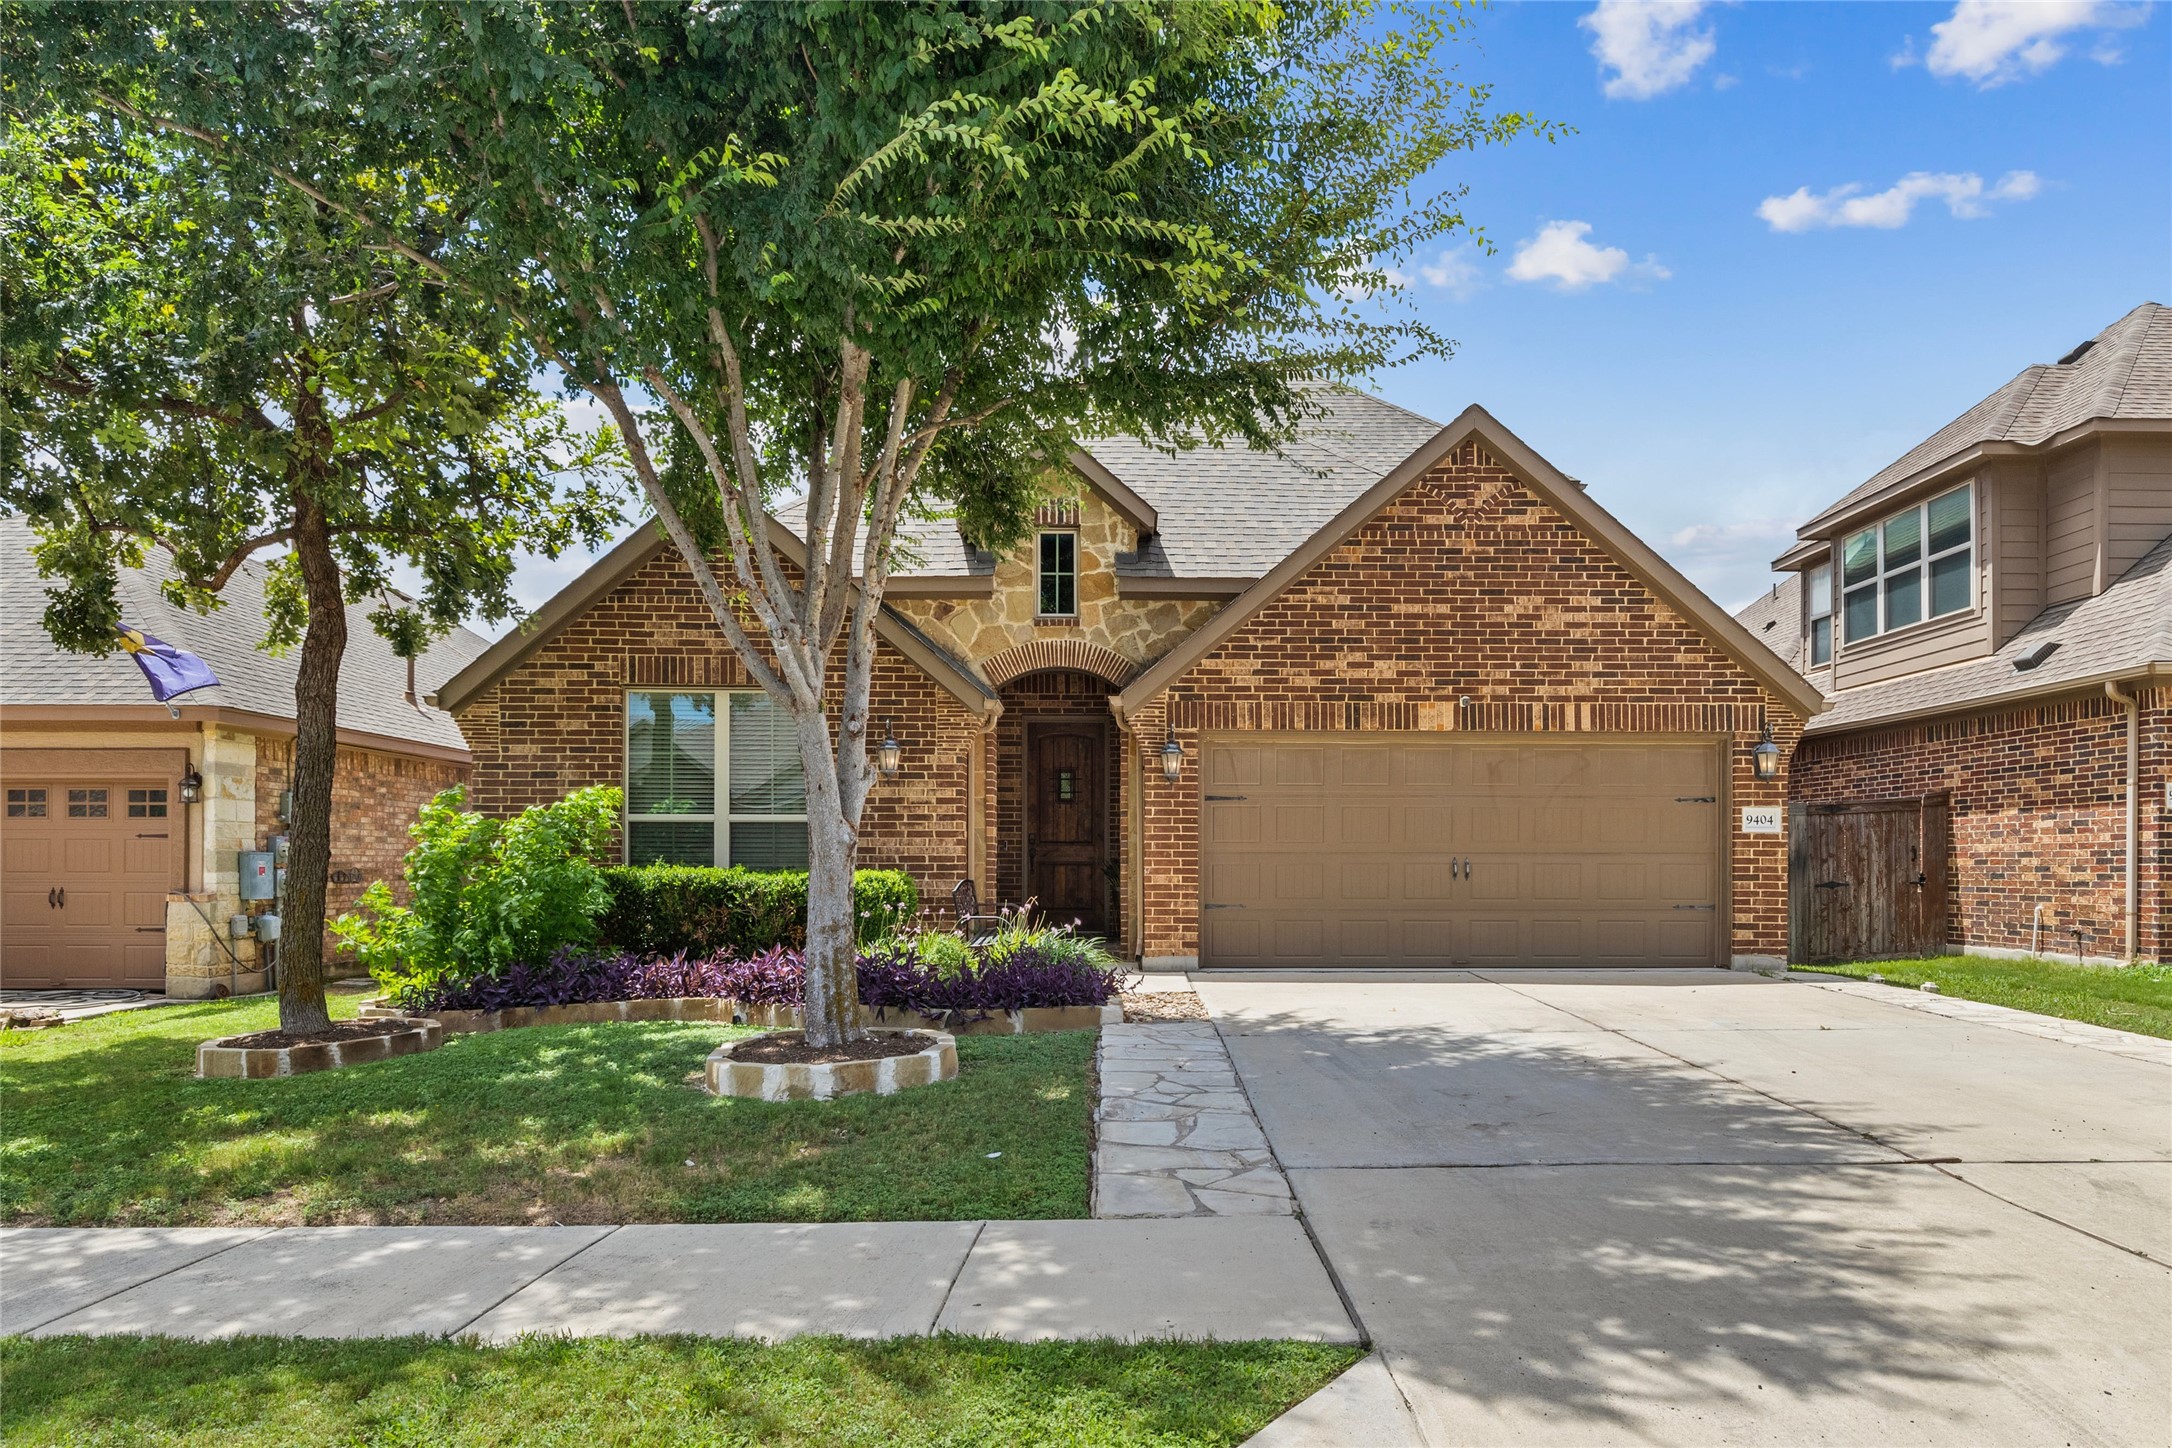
(889, 753)
(1766, 756)
(1172, 758)
(190, 788)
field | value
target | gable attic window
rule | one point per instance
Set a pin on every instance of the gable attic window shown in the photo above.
(1915, 565)
(1819, 586)
(713, 779)
(1058, 575)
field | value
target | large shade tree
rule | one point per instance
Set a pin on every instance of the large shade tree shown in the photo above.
(884, 256)
(201, 359)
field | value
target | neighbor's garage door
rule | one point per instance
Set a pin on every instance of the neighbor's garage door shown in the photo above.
(88, 852)
(1425, 850)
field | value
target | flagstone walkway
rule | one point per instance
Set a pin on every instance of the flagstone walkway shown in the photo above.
(1175, 1134)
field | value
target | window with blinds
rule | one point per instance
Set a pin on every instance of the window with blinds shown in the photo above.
(713, 779)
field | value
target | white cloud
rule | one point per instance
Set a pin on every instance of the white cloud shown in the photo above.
(1650, 45)
(1455, 271)
(1992, 42)
(1562, 256)
(1357, 286)
(1730, 539)
(1963, 192)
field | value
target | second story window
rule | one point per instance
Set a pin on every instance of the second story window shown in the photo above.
(1915, 565)
(1059, 575)
(1820, 583)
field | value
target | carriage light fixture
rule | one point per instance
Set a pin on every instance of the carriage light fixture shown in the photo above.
(889, 753)
(1172, 758)
(1766, 756)
(190, 787)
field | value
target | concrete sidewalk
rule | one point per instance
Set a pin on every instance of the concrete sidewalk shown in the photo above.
(1204, 1277)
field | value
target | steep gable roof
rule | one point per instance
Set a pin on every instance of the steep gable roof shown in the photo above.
(34, 671)
(2123, 374)
(1775, 620)
(636, 549)
(1559, 492)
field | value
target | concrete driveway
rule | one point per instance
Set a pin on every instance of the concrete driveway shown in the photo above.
(1700, 1208)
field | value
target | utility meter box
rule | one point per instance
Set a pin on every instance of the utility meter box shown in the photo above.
(256, 875)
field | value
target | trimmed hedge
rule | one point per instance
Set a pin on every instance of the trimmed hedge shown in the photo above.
(702, 910)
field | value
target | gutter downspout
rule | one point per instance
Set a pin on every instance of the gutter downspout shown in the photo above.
(2132, 705)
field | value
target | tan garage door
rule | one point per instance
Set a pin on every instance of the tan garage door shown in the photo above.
(1426, 850)
(86, 861)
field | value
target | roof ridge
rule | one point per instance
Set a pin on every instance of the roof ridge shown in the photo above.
(2160, 317)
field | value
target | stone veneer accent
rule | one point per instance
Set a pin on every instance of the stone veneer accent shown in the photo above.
(2038, 814)
(1467, 584)
(404, 1036)
(1135, 630)
(808, 1082)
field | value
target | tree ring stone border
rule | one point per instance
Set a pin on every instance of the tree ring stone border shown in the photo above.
(403, 1036)
(798, 1081)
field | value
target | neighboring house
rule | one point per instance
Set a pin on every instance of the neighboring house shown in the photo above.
(1979, 613)
(106, 877)
(1393, 694)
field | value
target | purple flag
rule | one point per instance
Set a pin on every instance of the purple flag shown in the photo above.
(169, 670)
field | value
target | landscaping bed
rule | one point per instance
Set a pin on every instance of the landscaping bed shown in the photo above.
(2128, 998)
(106, 1126)
(268, 1393)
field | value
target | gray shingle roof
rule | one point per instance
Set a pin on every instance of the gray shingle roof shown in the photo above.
(372, 679)
(1775, 620)
(2125, 371)
(1226, 511)
(2121, 630)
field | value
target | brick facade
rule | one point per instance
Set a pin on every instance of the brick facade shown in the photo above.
(1467, 584)
(375, 798)
(2038, 815)
(557, 721)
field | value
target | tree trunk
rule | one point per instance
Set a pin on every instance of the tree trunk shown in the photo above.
(316, 751)
(832, 1013)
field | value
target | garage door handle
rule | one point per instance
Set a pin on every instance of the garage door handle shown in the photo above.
(52, 899)
(64, 897)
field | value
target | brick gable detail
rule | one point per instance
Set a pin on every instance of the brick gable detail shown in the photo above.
(1467, 586)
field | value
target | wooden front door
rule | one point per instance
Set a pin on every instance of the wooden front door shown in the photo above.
(1866, 879)
(1067, 822)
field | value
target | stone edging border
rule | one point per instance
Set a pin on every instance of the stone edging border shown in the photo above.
(1031, 1021)
(404, 1036)
(806, 1081)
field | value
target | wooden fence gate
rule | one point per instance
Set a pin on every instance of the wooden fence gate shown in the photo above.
(1866, 879)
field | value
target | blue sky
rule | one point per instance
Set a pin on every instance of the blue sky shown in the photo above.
(1785, 243)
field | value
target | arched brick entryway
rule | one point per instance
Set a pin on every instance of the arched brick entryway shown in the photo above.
(1058, 776)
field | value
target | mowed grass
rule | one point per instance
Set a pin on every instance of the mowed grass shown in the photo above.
(590, 1392)
(103, 1124)
(2131, 998)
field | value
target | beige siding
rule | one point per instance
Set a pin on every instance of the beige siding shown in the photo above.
(2137, 499)
(1929, 645)
(2070, 520)
(2013, 517)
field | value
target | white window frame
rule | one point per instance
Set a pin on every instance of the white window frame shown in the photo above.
(719, 817)
(1925, 559)
(1826, 573)
(1040, 576)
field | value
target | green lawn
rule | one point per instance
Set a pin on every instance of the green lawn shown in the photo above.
(591, 1392)
(2132, 998)
(103, 1124)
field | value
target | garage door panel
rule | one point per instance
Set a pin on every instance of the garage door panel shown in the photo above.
(21, 850)
(87, 856)
(1576, 851)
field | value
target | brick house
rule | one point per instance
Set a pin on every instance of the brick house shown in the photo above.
(1999, 633)
(108, 878)
(1393, 694)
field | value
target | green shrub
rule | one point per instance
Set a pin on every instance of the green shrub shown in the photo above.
(485, 893)
(947, 955)
(702, 909)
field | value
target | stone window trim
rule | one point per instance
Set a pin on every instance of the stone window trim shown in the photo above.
(721, 815)
(1894, 573)
(1055, 578)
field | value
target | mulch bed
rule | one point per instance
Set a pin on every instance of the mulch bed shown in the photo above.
(791, 1048)
(337, 1031)
(1163, 1005)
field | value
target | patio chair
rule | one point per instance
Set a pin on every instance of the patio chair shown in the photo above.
(974, 928)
